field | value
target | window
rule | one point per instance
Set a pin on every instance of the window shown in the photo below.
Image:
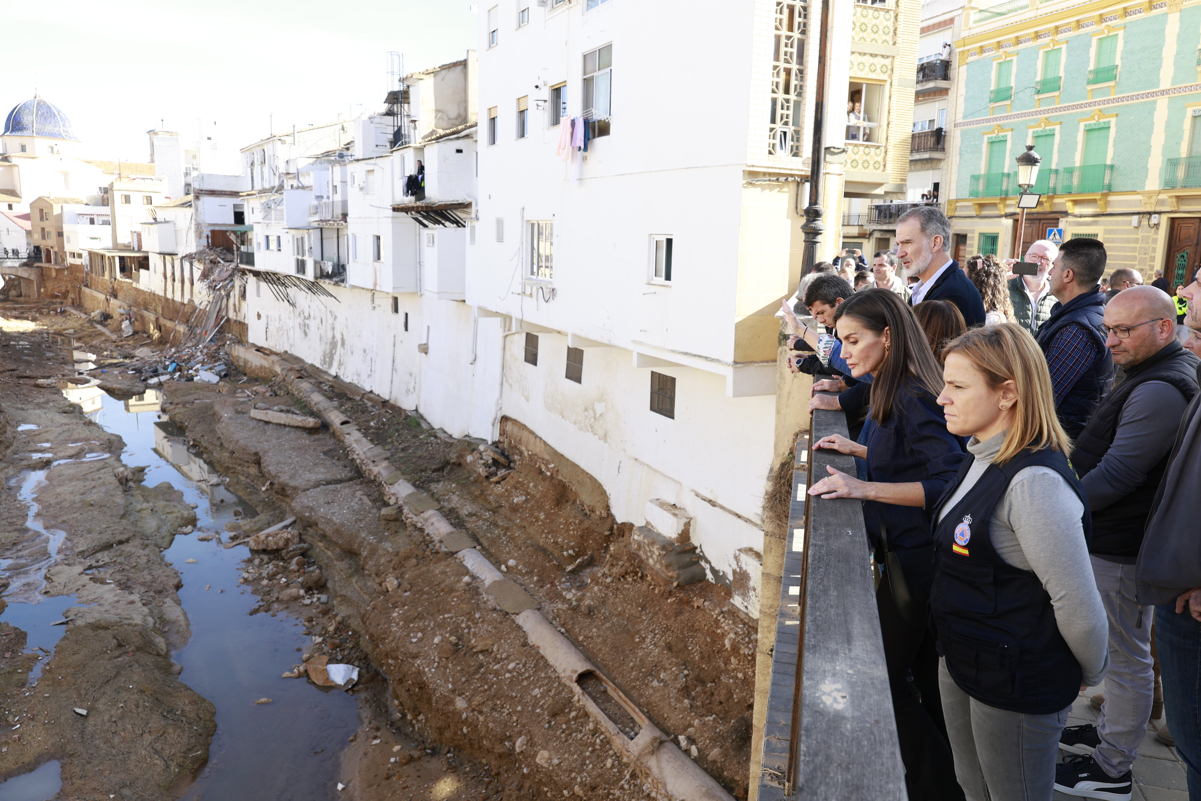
(661, 247)
(531, 349)
(279, 244)
(376, 247)
(556, 109)
(575, 365)
(430, 241)
(125, 199)
(396, 305)
(147, 200)
(1002, 90)
(542, 250)
(1085, 236)
(493, 26)
(500, 229)
(406, 321)
(523, 17)
(598, 89)
(988, 244)
(492, 125)
(591, 4)
(44, 234)
(663, 395)
(1051, 79)
(1105, 64)
(523, 117)
(41, 215)
(867, 111)
(22, 148)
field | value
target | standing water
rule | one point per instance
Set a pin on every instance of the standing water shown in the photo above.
(287, 749)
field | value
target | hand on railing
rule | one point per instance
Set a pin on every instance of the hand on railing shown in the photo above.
(826, 402)
(830, 385)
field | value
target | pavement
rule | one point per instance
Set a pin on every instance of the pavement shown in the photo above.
(1158, 771)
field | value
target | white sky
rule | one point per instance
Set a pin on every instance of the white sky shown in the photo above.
(118, 67)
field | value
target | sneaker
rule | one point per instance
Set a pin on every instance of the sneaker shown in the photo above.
(1079, 739)
(1081, 776)
(1164, 736)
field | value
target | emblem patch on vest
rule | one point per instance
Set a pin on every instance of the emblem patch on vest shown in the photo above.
(963, 535)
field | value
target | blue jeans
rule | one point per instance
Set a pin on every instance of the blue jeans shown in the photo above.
(1178, 640)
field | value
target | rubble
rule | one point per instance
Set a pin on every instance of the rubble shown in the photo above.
(289, 418)
(274, 540)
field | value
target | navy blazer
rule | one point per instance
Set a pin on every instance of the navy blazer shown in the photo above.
(954, 286)
(912, 445)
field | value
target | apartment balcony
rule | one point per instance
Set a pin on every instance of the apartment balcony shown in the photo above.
(885, 215)
(933, 75)
(990, 184)
(1182, 173)
(855, 219)
(1103, 75)
(997, 10)
(1088, 179)
(927, 145)
(328, 212)
(1047, 183)
(1001, 95)
(1046, 86)
(329, 271)
(246, 258)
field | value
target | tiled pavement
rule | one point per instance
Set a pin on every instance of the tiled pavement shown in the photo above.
(1158, 772)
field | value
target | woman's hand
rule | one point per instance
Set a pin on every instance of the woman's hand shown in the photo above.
(840, 485)
(792, 340)
(1192, 599)
(830, 385)
(826, 402)
(837, 442)
(795, 326)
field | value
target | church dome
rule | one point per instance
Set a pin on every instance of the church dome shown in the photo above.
(36, 117)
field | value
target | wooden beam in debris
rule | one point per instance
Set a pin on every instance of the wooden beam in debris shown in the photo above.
(280, 283)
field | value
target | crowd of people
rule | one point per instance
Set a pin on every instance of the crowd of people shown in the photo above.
(1024, 444)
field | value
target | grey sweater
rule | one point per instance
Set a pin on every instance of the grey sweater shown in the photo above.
(1037, 526)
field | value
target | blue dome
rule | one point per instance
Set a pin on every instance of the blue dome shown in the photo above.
(36, 117)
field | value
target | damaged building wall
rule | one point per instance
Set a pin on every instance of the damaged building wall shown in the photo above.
(604, 424)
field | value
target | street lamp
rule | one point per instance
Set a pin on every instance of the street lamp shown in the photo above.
(1027, 175)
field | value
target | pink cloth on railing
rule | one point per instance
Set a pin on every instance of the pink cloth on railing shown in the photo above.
(563, 151)
(577, 132)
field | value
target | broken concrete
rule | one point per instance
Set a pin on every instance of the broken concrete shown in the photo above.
(675, 562)
(282, 419)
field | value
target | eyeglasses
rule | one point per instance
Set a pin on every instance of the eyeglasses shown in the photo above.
(1123, 332)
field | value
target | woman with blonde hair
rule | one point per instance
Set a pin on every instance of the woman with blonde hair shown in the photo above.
(989, 277)
(1019, 621)
(910, 459)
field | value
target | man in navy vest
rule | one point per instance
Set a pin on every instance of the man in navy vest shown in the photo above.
(1081, 368)
(923, 235)
(1121, 456)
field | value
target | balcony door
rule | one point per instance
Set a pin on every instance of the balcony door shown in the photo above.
(1096, 153)
(1184, 252)
(998, 161)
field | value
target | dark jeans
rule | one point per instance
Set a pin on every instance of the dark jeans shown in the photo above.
(1178, 642)
(929, 765)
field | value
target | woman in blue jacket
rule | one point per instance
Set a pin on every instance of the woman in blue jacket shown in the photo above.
(910, 459)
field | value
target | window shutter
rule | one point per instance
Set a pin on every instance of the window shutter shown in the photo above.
(1051, 63)
(1005, 74)
(1096, 146)
(997, 152)
(1107, 51)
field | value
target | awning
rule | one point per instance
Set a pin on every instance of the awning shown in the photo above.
(280, 283)
(436, 214)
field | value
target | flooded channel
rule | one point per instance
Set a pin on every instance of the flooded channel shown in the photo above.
(288, 748)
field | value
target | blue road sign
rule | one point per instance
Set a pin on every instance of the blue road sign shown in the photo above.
(1055, 235)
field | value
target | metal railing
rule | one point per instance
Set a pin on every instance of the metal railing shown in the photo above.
(829, 701)
(1103, 75)
(887, 214)
(246, 258)
(329, 270)
(999, 10)
(989, 184)
(1089, 178)
(1046, 184)
(857, 218)
(1182, 173)
(1045, 86)
(934, 70)
(328, 210)
(1000, 94)
(928, 141)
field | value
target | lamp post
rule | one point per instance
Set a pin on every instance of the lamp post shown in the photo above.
(1027, 175)
(813, 226)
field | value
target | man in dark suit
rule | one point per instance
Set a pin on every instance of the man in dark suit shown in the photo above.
(923, 235)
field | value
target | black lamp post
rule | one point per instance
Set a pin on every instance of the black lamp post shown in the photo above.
(1027, 176)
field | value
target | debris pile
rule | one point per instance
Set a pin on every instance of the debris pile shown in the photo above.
(491, 463)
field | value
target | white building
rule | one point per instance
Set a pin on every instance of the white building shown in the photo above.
(934, 101)
(85, 228)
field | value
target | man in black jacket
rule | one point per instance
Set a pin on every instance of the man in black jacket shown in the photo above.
(1081, 368)
(1030, 294)
(923, 234)
(1121, 456)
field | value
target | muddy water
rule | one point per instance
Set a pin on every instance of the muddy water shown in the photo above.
(288, 748)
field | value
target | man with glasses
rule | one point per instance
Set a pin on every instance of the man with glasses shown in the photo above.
(1031, 294)
(1121, 456)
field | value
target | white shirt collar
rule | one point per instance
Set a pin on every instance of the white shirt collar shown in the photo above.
(919, 291)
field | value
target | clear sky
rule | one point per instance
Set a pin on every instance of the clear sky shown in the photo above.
(119, 68)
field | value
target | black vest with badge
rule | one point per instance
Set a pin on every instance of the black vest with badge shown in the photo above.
(995, 623)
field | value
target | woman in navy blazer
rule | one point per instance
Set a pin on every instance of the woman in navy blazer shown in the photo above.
(910, 459)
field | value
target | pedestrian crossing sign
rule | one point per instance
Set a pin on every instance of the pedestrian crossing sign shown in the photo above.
(1055, 236)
